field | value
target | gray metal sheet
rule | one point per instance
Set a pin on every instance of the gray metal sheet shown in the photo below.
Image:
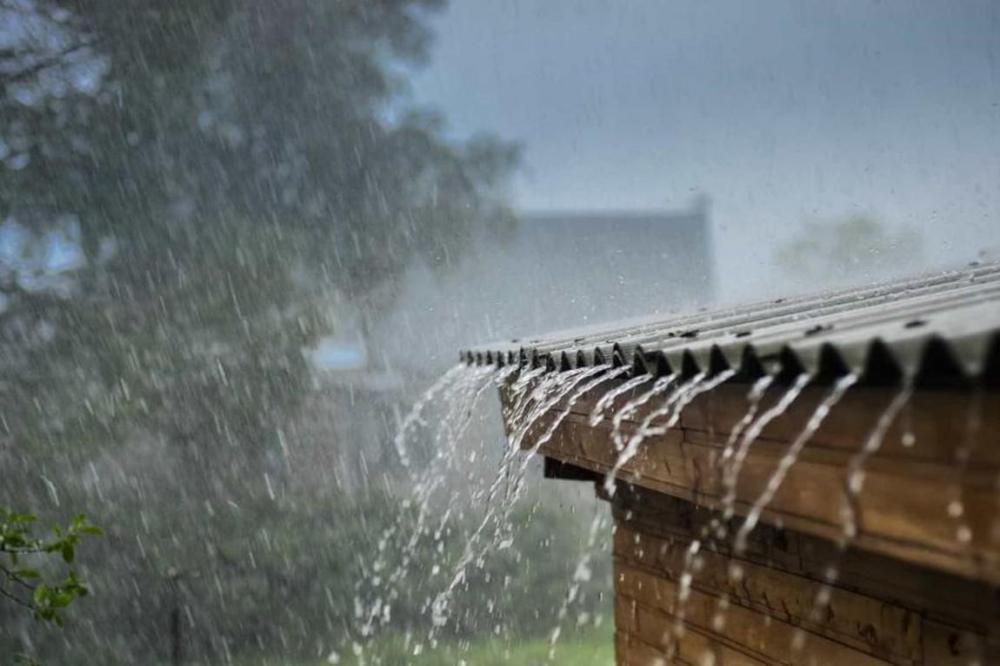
(937, 329)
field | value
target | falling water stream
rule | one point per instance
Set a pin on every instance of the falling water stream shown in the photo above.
(855, 478)
(754, 397)
(414, 417)
(604, 374)
(789, 458)
(751, 426)
(538, 395)
(853, 485)
(963, 455)
(785, 464)
(460, 388)
(581, 574)
(686, 574)
(660, 386)
(732, 471)
(550, 391)
(597, 414)
(678, 396)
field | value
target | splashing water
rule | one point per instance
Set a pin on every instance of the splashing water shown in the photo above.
(581, 574)
(790, 457)
(414, 417)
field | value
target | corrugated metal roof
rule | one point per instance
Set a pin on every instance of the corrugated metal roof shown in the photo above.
(939, 329)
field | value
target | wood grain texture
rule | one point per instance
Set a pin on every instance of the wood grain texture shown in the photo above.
(916, 587)
(907, 505)
(879, 611)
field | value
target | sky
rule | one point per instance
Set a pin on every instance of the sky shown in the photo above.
(780, 112)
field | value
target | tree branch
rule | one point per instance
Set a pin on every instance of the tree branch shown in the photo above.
(16, 599)
(11, 576)
(50, 61)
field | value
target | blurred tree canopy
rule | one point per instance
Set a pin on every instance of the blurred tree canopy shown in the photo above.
(185, 188)
(211, 172)
(846, 249)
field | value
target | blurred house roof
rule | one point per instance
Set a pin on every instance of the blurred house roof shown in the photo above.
(937, 329)
(553, 270)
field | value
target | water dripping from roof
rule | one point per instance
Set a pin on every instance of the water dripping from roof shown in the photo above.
(597, 414)
(790, 457)
(631, 407)
(853, 485)
(632, 446)
(536, 401)
(732, 472)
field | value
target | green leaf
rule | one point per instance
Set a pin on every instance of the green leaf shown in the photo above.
(41, 594)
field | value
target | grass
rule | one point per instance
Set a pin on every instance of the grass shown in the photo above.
(593, 648)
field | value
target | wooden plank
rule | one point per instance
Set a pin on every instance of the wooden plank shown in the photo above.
(693, 647)
(937, 419)
(756, 633)
(917, 586)
(902, 510)
(863, 622)
(644, 514)
(630, 651)
(946, 645)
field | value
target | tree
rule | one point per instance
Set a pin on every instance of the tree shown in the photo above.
(220, 172)
(22, 582)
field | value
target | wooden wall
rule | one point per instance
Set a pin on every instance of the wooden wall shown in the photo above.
(880, 611)
(903, 509)
(911, 590)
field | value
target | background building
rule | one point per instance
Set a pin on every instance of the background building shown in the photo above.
(554, 270)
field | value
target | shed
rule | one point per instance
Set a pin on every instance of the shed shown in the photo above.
(805, 481)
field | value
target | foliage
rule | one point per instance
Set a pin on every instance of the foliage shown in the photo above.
(204, 188)
(224, 188)
(20, 550)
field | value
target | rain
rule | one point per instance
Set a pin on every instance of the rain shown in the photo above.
(416, 332)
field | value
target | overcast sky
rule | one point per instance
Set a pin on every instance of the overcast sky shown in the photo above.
(779, 111)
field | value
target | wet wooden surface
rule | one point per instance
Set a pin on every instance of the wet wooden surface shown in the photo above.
(880, 611)
(916, 586)
(930, 494)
